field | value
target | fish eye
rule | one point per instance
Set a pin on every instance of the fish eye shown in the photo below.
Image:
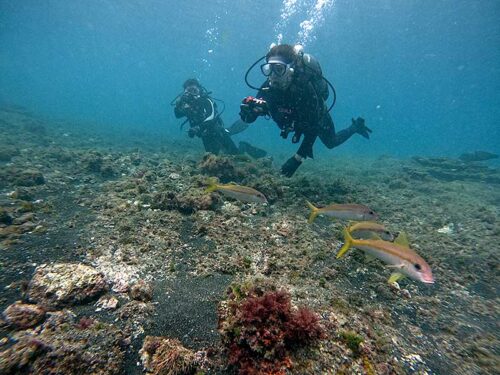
(417, 266)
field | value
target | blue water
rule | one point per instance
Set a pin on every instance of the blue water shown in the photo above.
(424, 74)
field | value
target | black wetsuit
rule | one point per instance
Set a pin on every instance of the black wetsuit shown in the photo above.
(205, 122)
(301, 110)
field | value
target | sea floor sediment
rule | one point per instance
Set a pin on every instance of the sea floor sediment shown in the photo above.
(160, 253)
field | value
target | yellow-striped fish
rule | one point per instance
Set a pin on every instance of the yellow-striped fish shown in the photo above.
(366, 229)
(397, 255)
(342, 211)
(241, 193)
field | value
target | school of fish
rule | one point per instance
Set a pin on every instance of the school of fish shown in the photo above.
(363, 233)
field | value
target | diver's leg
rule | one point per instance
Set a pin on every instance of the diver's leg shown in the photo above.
(226, 142)
(328, 136)
(210, 145)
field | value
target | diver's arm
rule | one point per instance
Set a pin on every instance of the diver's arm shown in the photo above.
(181, 107)
(252, 107)
(179, 112)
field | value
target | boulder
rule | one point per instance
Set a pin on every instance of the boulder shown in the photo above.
(65, 284)
(22, 315)
(141, 291)
(61, 346)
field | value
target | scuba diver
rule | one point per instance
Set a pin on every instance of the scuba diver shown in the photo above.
(294, 95)
(205, 121)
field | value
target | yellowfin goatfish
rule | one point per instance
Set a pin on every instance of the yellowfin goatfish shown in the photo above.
(397, 255)
(366, 229)
(241, 193)
(342, 211)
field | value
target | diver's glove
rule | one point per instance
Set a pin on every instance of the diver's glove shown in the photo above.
(359, 127)
(291, 165)
(251, 108)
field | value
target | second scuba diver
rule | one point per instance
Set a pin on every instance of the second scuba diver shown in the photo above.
(294, 95)
(205, 121)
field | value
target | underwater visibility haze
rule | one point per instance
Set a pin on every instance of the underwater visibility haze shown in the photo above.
(175, 199)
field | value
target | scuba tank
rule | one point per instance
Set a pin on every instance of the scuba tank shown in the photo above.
(311, 72)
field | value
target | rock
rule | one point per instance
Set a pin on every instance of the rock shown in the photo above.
(59, 346)
(187, 203)
(162, 356)
(22, 194)
(121, 286)
(5, 218)
(65, 283)
(141, 291)
(107, 303)
(97, 163)
(24, 218)
(477, 156)
(7, 153)
(21, 315)
(222, 167)
(29, 177)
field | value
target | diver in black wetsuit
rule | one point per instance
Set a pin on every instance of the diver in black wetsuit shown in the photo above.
(294, 96)
(205, 121)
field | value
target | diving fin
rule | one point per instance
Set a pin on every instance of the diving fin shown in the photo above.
(237, 127)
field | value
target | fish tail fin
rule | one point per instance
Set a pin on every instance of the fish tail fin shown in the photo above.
(314, 212)
(347, 243)
(212, 185)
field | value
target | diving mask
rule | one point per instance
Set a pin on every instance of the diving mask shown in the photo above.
(277, 67)
(192, 90)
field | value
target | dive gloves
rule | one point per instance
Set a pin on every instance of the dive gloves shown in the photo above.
(291, 165)
(359, 127)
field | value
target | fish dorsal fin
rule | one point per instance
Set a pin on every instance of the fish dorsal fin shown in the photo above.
(402, 240)
(396, 276)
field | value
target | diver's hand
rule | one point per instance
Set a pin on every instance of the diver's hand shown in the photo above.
(360, 127)
(182, 106)
(194, 131)
(246, 114)
(291, 165)
(251, 108)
